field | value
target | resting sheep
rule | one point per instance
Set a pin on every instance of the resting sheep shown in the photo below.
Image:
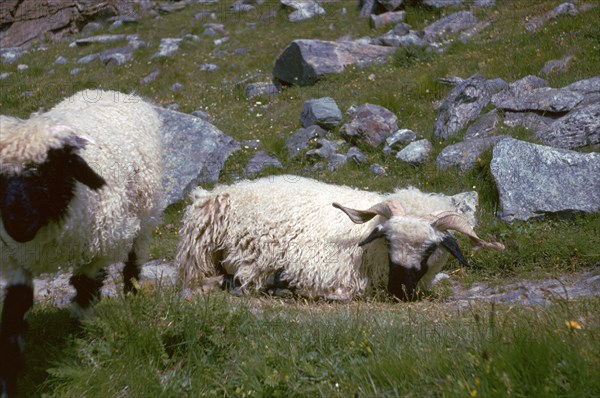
(283, 232)
(80, 187)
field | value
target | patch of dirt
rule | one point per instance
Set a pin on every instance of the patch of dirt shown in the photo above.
(56, 290)
(530, 292)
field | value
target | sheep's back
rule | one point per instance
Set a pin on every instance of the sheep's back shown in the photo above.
(289, 223)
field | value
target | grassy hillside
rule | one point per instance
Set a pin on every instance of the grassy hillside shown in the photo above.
(159, 345)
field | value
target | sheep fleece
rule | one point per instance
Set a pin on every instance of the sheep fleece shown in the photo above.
(253, 228)
(126, 151)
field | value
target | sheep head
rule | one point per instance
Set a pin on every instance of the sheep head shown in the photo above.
(414, 243)
(36, 187)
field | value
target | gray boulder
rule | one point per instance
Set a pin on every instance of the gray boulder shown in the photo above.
(463, 104)
(390, 5)
(194, 152)
(465, 155)
(323, 112)
(370, 123)
(367, 8)
(417, 152)
(483, 127)
(260, 161)
(302, 9)
(387, 18)
(534, 180)
(451, 24)
(578, 128)
(543, 99)
(300, 140)
(303, 62)
(589, 88)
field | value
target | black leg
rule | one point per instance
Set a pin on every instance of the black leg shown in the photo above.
(18, 300)
(88, 289)
(131, 272)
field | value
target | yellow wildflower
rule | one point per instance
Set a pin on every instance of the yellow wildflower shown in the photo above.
(573, 325)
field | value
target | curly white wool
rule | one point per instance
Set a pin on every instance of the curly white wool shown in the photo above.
(253, 228)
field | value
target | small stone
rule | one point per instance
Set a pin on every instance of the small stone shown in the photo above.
(151, 77)
(177, 86)
(417, 152)
(356, 154)
(208, 67)
(60, 60)
(378, 170)
(323, 112)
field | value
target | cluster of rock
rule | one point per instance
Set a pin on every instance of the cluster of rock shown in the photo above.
(303, 62)
(531, 179)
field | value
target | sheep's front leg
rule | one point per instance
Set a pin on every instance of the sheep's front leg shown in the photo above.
(17, 301)
(136, 258)
(87, 290)
(131, 273)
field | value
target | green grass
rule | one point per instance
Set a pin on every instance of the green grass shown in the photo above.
(160, 345)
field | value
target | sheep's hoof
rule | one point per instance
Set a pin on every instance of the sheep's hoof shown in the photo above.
(11, 363)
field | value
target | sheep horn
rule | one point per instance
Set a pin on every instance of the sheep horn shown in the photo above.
(386, 209)
(445, 220)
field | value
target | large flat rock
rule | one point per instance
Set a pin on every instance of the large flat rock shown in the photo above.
(304, 62)
(534, 180)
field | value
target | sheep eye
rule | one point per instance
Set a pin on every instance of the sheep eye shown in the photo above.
(31, 169)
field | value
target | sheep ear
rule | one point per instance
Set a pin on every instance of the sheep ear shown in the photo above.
(375, 234)
(83, 173)
(387, 209)
(446, 220)
(450, 244)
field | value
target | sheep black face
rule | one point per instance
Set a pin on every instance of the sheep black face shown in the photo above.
(41, 193)
(416, 245)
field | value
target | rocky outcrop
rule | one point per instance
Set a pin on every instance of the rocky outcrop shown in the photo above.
(304, 62)
(21, 22)
(578, 128)
(534, 180)
(462, 105)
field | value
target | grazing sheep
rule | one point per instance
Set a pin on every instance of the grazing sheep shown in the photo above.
(80, 187)
(283, 232)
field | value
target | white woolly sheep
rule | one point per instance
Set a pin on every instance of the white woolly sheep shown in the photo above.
(283, 232)
(80, 187)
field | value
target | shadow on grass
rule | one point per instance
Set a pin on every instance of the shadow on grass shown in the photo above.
(50, 335)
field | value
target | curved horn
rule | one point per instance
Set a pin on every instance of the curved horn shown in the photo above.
(445, 220)
(387, 209)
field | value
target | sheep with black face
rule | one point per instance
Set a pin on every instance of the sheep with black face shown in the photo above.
(284, 232)
(80, 187)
